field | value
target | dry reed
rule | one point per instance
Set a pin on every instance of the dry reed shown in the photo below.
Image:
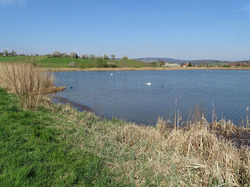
(161, 156)
(25, 80)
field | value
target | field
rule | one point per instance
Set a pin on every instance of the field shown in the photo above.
(47, 62)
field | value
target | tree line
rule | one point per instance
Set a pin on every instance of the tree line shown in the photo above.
(58, 54)
(7, 54)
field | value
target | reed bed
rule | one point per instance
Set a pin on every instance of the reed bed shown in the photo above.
(160, 156)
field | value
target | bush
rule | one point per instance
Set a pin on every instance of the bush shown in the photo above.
(26, 81)
(56, 54)
(73, 55)
(112, 64)
(65, 55)
(92, 56)
(72, 64)
(125, 57)
(102, 63)
(85, 56)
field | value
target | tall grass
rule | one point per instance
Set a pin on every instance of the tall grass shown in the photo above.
(247, 118)
(161, 156)
(25, 80)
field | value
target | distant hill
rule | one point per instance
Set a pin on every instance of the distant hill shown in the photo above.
(177, 61)
(155, 59)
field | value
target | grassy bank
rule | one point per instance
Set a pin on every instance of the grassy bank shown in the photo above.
(56, 145)
(35, 150)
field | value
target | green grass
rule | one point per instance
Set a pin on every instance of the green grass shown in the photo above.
(80, 63)
(22, 59)
(60, 62)
(134, 63)
(35, 153)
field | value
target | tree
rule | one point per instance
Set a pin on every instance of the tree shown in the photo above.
(190, 64)
(84, 56)
(99, 57)
(14, 53)
(73, 55)
(10, 54)
(125, 57)
(106, 57)
(6, 53)
(92, 56)
(162, 63)
(56, 54)
(113, 57)
(1, 54)
(65, 55)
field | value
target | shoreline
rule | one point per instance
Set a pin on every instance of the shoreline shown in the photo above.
(145, 69)
(79, 107)
(63, 138)
(240, 136)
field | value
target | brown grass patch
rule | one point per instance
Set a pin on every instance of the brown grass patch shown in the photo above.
(197, 154)
(162, 156)
(53, 89)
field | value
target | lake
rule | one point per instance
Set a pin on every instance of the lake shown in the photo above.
(126, 94)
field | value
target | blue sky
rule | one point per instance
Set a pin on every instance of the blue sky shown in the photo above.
(182, 29)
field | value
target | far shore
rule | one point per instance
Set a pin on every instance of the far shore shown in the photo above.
(146, 69)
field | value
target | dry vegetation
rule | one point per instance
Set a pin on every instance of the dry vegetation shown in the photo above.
(194, 156)
(27, 81)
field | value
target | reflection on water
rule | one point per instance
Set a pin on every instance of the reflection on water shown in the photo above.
(143, 96)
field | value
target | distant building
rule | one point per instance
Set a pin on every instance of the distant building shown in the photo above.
(184, 65)
(237, 64)
(171, 65)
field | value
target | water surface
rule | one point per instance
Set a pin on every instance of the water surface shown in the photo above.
(126, 95)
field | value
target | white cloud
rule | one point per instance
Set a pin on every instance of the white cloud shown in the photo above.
(247, 8)
(11, 2)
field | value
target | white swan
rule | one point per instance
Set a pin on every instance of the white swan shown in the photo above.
(111, 74)
(149, 83)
